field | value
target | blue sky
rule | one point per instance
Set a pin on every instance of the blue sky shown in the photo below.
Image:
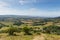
(46, 8)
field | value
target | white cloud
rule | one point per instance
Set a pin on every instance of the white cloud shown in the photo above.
(22, 2)
(46, 13)
(3, 4)
(4, 8)
(31, 12)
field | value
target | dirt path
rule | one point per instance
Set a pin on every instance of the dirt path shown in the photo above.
(40, 37)
(1, 39)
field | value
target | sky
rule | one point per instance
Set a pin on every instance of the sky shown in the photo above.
(43, 8)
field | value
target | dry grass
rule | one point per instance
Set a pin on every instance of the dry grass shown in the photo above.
(5, 36)
(20, 36)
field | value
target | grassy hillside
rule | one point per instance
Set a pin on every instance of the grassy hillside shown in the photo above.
(14, 27)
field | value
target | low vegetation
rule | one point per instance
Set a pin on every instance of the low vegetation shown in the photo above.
(29, 29)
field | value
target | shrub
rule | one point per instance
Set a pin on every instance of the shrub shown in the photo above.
(18, 23)
(27, 30)
(52, 29)
(10, 30)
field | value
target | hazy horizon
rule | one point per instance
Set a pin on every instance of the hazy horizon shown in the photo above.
(42, 8)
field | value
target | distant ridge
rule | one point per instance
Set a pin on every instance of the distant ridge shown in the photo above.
(25, 16)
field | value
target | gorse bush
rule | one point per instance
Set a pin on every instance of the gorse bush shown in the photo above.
(27, 30)
(52, 30)
(30, 30)
(4, 29)
(10, 30)
(18, 23)
(2, 25)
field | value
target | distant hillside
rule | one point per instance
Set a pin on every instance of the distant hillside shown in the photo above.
(21, 17)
